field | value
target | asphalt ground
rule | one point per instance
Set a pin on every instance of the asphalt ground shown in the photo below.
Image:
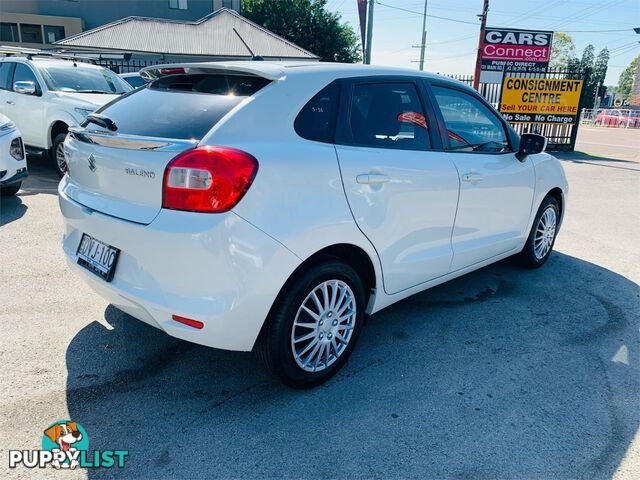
(503, 373)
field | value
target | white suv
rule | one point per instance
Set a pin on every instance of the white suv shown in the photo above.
(45, 96)
(264, 206)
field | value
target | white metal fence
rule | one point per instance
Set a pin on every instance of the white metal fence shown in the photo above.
(611, 117)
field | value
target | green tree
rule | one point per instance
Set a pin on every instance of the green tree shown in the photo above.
(308, 24)
(563, 51)
(625, 82)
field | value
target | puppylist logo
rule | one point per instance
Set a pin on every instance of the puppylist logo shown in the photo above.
(65, 444)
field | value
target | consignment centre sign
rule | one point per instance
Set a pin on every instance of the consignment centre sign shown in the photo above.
(540, 100)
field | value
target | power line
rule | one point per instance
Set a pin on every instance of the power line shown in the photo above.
(430, 16)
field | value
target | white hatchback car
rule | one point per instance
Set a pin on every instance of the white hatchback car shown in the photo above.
(264, 206)
(13, 161)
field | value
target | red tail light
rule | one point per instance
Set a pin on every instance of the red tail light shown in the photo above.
(208, 179)
(172, 71)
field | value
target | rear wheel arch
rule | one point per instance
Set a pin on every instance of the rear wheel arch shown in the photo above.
(350, 254)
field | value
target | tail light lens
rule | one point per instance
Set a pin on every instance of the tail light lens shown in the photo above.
(208, 179)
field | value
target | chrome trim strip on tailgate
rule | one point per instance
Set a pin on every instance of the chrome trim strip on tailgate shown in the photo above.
(130, 142)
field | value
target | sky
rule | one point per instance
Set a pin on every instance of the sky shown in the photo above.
(451, 45)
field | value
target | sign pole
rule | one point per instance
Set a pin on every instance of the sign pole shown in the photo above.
(367, 55)
(483, 24)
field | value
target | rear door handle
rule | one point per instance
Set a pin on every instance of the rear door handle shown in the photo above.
(11, 102)
(372, 178)
(471, 177)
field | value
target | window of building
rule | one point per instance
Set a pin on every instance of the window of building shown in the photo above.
(9, 32)
(53, 33)
(31, 33)
(388, 115)
(227, 3)
(179, 4)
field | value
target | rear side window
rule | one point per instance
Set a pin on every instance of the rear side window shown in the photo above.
(388, 115)
(180, 106)
(6, 72)
(316, 121)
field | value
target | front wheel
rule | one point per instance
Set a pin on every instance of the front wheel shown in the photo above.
(57, 154)
(543, 234)
(314, 325)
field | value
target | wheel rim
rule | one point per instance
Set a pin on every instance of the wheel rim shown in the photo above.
(60, 160)
(323, 326)
(545, 233)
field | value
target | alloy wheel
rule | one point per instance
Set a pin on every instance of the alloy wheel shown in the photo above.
(545, 233)
(60, 160)
(323, 326)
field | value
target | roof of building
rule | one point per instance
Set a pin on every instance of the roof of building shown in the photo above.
(211, 36)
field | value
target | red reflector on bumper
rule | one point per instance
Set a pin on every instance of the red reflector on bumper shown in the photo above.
(188, 321)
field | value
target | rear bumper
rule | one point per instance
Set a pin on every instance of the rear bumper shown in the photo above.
(218, 269)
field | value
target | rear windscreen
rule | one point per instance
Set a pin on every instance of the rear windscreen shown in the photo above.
(180, 106)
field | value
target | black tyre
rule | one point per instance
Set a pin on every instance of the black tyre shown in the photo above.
(306, 340)
(542, 236)
(10, 189)
(56, 154)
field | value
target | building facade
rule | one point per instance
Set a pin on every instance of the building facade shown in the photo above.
(38, 23)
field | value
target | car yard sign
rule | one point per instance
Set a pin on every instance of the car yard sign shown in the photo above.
(540, 100)
(513, 50)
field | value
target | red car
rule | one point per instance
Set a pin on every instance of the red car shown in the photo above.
(616, 118)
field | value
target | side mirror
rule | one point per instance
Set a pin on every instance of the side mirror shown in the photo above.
(26, 87)
(531, 143)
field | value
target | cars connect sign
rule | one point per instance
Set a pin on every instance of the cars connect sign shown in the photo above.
(540, 100)
(514, 50)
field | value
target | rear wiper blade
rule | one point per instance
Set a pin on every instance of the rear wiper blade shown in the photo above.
(102, 120)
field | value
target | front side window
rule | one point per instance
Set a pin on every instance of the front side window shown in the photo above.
(471, 126)
(53, 33)
(9, 32)
(316, 121)
(24, 74)
(83, 80)
(31, 33)
(388, 115)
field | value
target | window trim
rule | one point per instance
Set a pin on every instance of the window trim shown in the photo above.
(343, 134)
(510, 135)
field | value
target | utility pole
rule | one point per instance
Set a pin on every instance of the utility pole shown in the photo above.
(423, 45)
(483, 24)
(367, 53)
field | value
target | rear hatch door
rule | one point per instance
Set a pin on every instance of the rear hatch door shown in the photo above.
(120, 172)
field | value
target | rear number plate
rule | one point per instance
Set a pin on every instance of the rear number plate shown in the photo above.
(97, 257)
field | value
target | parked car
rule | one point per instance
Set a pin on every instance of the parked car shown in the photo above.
(617, 118)
(45, 96)
(134, 79)
(270, 207)
(13, 161)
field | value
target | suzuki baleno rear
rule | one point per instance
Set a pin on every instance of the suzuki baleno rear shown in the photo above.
(148, 208)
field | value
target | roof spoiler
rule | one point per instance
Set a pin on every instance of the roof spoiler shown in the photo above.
(259, 69)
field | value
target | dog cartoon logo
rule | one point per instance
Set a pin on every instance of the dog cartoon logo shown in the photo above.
(65, 436)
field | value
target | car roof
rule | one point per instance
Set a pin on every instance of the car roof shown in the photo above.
(274, 70)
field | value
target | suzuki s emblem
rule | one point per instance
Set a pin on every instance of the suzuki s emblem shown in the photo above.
(92, 162)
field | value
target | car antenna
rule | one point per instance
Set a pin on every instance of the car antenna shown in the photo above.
(254, 57)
